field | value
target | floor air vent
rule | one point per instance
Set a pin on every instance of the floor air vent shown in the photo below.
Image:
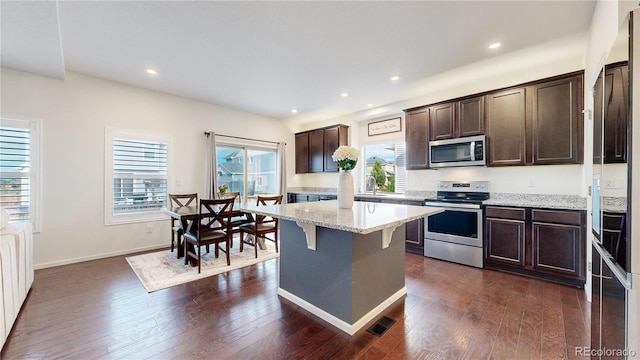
(381, 326)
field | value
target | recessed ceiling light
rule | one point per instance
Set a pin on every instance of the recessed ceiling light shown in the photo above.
(495, 45)
(294, 111)
(344, 94)
(151, 72)
(370, 105)
(395, 77)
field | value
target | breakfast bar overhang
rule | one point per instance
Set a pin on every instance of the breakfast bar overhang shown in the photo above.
(343, 265)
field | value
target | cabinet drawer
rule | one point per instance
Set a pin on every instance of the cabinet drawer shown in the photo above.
(613, 221)
(557, 216)
(505, 213)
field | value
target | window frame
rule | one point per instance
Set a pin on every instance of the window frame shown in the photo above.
(247, 145)
(117, 219)
(35, 165)
(363, 146)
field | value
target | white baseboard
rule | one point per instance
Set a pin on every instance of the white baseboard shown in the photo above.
(95, 257)
(341, 324)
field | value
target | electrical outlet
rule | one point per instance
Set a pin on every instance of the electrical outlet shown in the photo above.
(149, 230)
(613, 184)
(589, 266)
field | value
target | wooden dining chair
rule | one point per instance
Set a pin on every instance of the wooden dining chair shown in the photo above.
(177, 227)
(214, 218)
(262, 225)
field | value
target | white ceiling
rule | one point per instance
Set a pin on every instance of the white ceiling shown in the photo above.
(269, 57)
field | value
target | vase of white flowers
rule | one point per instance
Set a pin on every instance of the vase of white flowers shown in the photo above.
(346, 157)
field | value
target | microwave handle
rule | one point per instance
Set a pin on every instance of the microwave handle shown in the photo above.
(472, 150)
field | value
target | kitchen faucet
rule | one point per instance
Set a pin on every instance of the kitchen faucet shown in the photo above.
(371, 182)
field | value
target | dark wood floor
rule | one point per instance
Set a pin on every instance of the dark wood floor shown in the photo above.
(99, 310)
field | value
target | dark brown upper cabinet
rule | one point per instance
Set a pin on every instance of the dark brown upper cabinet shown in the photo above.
(470, 117)
(442, 121)
(315, 147)
(417, 138)
(506, 127)
(616, 99)
(316, 151)
(555, 121)
(457, 119)
(302, 153)
(540, 124)
(333, 138)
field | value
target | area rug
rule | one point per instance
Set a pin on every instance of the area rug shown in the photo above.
(160, 270)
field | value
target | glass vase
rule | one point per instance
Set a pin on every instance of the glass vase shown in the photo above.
(345, 190)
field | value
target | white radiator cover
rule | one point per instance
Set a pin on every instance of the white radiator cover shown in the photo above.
(16, 272)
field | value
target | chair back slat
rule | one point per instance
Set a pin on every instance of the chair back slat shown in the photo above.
(267, 200)
(215, 215)
(180, 200)
(235, 195)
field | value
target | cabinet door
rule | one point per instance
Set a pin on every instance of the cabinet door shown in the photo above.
(316, 151)
(613, 304)
(558, 249)
(415, 237)
(333, 138)
(302, 153)
(417, 138)
(506, 127)
(441, 121)
(597, 121)
(331, 143)
(556, 121)
(505, 241)
(471, 117)
(615, 114)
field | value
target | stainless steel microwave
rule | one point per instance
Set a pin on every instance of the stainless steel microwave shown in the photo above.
(465, 151)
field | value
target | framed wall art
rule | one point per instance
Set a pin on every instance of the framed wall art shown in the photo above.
(385, 126)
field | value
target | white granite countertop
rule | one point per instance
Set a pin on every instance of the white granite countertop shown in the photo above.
(568, 202)
(363, 218)
(409, 195)
(549, 201)
(614, 204)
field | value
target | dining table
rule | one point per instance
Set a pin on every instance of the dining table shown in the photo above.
(187, 214)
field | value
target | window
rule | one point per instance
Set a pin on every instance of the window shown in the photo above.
(386, 163)
(20, 170)
(248, 168)
(137, 176)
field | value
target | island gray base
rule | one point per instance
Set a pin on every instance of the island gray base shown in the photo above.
(348, 280)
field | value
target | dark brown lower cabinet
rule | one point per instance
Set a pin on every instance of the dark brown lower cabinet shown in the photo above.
(414, 238)
(543, 243)
(302, 197)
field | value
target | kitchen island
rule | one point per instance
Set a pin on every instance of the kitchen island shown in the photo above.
(343, 265)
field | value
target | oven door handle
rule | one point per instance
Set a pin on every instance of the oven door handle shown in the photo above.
(452, 205)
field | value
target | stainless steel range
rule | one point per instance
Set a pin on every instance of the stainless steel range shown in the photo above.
(457, 233)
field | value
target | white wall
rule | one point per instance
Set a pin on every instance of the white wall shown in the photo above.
(74, 113)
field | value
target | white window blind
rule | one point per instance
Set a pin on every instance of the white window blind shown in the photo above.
(139, 168)
(18, 169)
